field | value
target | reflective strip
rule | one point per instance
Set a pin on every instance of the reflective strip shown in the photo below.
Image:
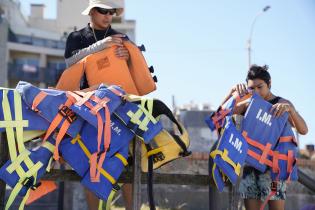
(19, 118)
(32, 172)
(100, 204)
(135, 117)
(49, 146)
(226, 158)
(9, 124)
(17, 162)
(121, 158)
(7, 117)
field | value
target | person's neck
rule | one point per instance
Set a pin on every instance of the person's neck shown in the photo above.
(270, 97)
(96, 27)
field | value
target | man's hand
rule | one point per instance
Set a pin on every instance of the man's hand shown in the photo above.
(122, 53)
(114, 40)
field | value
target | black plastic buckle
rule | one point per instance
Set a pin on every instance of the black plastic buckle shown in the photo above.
(67, 113)
(185, 153)
(116, 187)
(28, 182)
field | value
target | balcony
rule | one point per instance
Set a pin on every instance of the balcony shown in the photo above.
(34, 74)
(25, 72)
(40, 42)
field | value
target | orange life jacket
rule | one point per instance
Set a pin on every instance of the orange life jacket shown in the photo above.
(105, 67)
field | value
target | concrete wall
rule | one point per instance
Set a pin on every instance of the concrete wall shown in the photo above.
(3, 52)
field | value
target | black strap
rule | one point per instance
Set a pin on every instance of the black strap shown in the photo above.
(150, 180)
(275, 100)
(182, 145)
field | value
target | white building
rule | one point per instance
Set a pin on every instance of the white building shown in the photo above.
(32, 48)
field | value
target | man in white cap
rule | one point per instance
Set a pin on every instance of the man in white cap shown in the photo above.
(96, 36)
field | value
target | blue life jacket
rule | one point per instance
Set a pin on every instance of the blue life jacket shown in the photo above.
(261, 131)
(231, 151)
(97, 102)
(138, 118)
(54, 103)
(284, 159)
(110, 172)
(24, 172)
(10, 105)
(217, 119)
(77, 152)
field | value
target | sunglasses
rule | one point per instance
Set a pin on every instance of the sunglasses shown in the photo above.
(105, 11)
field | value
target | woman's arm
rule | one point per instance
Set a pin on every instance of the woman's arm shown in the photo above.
(295, 118)
(241, 107)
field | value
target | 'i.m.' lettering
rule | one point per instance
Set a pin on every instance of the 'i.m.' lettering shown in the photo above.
(264, 117)
(237, 144)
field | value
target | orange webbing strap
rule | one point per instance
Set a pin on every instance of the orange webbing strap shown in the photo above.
(239, 99)
(273, 187)
(38, 99)
(64, 127)
(275, 162)
(287, 139)
(95, 175)
(85, 97)
(291, 161)
(100, 103)
(266, 150)
(95, 167)
(223, 113)
(114, 90)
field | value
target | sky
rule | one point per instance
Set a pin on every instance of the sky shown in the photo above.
(198, 48)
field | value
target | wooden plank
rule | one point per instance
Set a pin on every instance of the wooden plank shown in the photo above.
(126, 177)
(4, 156)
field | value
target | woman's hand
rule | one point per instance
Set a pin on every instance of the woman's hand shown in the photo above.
(279, 109)
(241, 89)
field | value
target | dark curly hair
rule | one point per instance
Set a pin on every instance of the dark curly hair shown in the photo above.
(259, 72)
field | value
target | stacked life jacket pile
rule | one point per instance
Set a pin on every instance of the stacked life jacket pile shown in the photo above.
(264, 142)
(91, 131)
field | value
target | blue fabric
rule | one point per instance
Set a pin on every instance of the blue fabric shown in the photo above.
(262, 126)
(214, 170)
(120, 137)
(153, 128)
(232, 141)
(111, 165)
(102, 92)
(227, 106)
(74, 156)
(218, 179)
(35, 122)
(283, 148)
(49, 107)
(42, 154)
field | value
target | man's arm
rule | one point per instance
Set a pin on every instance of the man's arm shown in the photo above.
(96, 47)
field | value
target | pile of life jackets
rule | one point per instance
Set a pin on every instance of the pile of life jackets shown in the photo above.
(91, 131)
(263, 142)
